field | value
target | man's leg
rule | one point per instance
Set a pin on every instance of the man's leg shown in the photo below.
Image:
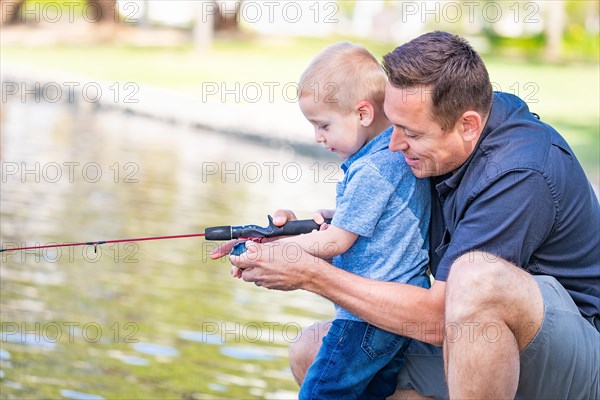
(304, 350)
(493, 311)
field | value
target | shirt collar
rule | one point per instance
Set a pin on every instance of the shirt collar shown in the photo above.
(379, 142)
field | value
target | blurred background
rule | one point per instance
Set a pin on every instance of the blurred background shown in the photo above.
(138, 118)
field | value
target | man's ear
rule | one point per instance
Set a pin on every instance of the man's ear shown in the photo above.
(365, 112)
(470, 126)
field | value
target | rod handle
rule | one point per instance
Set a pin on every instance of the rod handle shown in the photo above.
(290, 228)
(296, 227)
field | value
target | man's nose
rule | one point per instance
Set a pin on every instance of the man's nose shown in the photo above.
(398, 142)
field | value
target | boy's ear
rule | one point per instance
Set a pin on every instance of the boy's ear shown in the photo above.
(365, 112)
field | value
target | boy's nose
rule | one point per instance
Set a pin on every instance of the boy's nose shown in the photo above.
(319, 138)
(397, 142)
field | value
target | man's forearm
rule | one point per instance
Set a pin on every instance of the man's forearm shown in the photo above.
(404, 309)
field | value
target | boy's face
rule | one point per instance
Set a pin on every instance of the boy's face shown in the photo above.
(339, 132)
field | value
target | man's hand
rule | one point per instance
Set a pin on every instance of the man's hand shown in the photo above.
(275, 265)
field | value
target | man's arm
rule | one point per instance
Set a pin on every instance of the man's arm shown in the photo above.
(404, 309)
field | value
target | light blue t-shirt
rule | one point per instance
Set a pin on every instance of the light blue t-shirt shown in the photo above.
(389, 209)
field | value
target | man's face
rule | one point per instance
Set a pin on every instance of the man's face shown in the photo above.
(427, 149)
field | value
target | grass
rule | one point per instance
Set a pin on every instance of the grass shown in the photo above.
(566, 96)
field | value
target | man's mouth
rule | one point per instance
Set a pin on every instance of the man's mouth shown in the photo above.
(411, 161)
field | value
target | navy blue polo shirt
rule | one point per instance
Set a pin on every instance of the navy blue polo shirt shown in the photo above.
(523, 196)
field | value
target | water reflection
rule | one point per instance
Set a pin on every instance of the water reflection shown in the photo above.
(78, 173)
(155, 349)
(72, 394)
(201, 337)
(247, 353)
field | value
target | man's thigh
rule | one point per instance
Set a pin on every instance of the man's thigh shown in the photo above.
(562, 361)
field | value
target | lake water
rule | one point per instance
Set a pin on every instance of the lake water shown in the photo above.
(150, 319)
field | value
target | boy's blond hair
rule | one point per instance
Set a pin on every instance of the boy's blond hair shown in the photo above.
(342, 75)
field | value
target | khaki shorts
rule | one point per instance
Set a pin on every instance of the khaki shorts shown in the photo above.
(562, 361)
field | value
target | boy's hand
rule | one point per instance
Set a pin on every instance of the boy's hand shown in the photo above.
(320, 215)
(282, 216)
(224, 249)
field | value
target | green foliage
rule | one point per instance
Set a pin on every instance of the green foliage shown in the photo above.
(579, 44)
(347, 6)
(51, 5)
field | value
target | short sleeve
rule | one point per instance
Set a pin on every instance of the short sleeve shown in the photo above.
(510, 218)
(366, 195)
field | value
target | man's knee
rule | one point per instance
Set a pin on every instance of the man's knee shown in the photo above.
(304, 350)
(473, 269)
(485, 287)
(477, 278)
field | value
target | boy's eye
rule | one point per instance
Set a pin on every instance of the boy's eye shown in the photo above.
(323, 127)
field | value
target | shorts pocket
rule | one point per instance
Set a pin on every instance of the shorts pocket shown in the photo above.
(379, 343)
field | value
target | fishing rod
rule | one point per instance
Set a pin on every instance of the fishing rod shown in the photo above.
(226, 232)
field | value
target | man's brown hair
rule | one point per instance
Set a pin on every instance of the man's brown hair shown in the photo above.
(449, 67)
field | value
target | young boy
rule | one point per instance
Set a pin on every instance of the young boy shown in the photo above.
(379, 228)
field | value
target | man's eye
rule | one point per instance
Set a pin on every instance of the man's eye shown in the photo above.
(409, 134)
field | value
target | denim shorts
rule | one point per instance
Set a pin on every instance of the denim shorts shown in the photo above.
(561, 362)
(356, 361)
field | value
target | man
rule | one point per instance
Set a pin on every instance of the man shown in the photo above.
(515, 242)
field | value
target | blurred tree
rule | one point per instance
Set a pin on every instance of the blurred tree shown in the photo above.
(214, 16)
(106, 10)
(227, 18)
(203, 27)
(554, 28)
(10, 11)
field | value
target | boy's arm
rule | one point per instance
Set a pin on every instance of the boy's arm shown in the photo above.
(324, 244)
